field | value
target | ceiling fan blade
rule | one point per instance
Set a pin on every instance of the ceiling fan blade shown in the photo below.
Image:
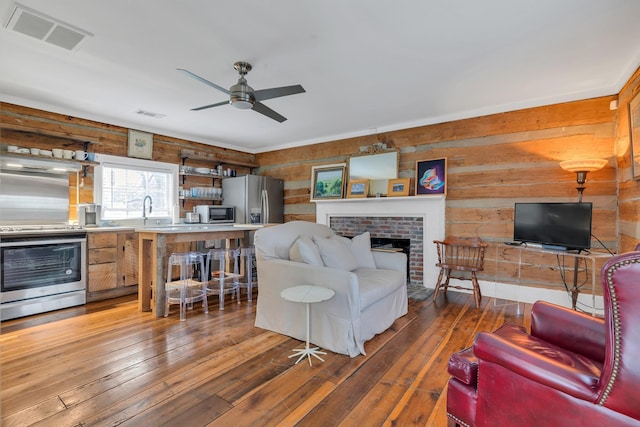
(276, 92)
(204, 107)
(263, 109)
(205, 81)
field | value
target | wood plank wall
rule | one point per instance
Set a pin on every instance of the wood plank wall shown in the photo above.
(628, 188)
(27, 127)
(493, 162)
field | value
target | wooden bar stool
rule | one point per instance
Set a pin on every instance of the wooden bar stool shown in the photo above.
(460, 255)
(185, 291)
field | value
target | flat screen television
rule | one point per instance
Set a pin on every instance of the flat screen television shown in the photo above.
(557, 225)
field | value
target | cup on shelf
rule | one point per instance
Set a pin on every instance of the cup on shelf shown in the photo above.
(12, 148)
(91, 157)
(35, 151)
(80, 155)
(45, 153)
(196, 192)
(57, 152)
(67, 154)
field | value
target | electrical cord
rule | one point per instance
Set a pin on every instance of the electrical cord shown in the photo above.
(602, 244)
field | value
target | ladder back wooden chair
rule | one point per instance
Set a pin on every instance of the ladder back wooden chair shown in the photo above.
(460, 255)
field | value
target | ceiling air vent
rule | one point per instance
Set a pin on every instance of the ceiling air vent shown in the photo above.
(150, 114)
(35, 24)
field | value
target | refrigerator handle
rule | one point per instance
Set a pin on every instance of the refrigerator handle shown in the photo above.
(264, 206)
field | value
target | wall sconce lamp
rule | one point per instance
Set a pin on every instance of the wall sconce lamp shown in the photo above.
(581, 167)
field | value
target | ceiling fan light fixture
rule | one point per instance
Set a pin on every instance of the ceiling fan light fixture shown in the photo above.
(241, 95)
(241, 103)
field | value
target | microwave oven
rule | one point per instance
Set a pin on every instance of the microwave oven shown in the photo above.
(212, 214)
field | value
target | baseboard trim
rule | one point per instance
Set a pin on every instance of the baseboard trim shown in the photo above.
(511, 292)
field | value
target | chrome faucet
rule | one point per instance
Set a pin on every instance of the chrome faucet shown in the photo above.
(144, 210)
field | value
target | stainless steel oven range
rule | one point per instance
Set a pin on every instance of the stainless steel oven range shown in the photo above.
(42, 268)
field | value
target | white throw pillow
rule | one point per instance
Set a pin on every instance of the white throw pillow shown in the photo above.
(304, 250)
(360, 248)
(335, 254)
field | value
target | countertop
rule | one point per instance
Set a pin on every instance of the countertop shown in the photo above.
(197, 228)
(109, 228)
(176, 228)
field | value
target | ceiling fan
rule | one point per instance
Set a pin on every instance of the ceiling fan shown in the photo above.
(242, 96)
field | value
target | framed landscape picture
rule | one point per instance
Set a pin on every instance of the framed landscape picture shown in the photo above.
(327, 182)
(398, 187)
(431, 177)
(358, 188)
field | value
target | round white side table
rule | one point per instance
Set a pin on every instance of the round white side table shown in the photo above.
(307, 294)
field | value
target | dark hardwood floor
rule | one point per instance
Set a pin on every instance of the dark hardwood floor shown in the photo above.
(107, 364)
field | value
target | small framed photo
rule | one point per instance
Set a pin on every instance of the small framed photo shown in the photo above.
(358, 188)
(140, 144)
(431, 177)
(398, 187)
(327, 182)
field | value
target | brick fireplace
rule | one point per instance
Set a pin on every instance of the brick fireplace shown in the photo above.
(419, 219)
(388, 230)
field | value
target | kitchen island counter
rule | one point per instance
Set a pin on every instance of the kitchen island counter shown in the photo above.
(153, 255)
(109, 228)
(194, 228)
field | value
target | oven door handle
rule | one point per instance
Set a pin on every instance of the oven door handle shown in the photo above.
(17, 242)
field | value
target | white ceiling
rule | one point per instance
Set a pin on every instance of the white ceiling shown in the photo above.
(368, 66)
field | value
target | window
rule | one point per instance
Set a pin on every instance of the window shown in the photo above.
(122, 183)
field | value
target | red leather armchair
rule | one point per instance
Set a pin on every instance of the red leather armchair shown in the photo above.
(571, 369)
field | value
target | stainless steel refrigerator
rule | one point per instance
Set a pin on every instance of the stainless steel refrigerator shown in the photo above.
(258, 199)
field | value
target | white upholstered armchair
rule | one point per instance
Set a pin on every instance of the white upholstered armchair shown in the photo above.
(370, 287)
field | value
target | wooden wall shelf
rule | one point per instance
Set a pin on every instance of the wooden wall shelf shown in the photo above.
(72, 137)
(211, 158)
